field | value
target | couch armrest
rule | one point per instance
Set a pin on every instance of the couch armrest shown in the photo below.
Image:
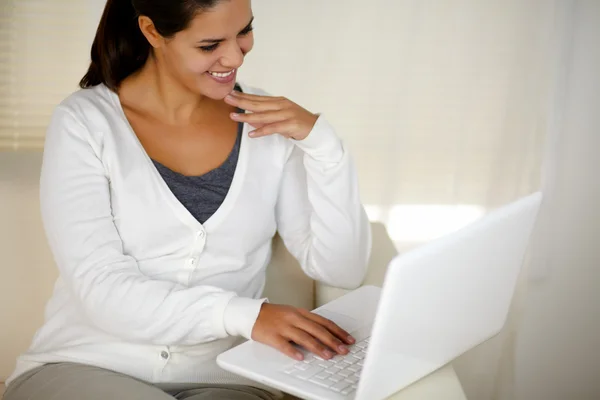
(382, 252)
(286, 282)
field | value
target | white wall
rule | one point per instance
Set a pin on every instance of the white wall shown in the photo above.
(558, 355)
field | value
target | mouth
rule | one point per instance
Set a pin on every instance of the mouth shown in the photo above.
(221, 74)
(222, 77)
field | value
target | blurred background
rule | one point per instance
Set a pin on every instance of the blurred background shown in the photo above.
(450, 109)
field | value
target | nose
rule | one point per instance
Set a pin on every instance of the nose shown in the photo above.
(234, 57)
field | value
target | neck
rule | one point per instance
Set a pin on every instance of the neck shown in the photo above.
(175, 103)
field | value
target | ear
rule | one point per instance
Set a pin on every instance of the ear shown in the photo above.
(149, 31)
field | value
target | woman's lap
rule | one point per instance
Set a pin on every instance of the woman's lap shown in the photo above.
(67, 381)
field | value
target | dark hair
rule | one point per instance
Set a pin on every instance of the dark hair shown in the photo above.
(120, 48)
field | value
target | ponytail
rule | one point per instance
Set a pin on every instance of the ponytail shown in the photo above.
(119, 48)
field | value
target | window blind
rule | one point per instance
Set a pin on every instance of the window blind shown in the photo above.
(44, 51)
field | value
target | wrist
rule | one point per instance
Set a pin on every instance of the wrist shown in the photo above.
(241, 315)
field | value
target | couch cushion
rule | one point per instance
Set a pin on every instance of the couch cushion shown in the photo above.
(286, 282)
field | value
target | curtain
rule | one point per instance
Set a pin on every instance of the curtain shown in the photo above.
(44, 51)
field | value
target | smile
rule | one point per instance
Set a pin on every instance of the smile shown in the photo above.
(221, 74)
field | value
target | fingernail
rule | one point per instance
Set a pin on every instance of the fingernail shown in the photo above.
(343, 349)
(252, 133)
(327, 354)
(299, 356)
(235, 115)
(229, 97)
(351, 339)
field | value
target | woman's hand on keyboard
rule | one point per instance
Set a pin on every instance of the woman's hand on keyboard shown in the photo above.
(278, 325)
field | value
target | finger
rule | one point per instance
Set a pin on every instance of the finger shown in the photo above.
(323, 335)
(309, 342)
(255, 96)
(262, 118)
(284, 346)
(253, 105)
(277, 127)
(330, 325)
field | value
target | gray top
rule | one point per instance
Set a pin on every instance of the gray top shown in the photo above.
(203, 195)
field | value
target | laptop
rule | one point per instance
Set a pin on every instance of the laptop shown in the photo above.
(437, 302)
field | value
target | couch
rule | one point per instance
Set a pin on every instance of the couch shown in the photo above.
(24, 291)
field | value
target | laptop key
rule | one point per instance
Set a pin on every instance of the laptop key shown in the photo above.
(309, 373)
(346, 363)
(301, 366)
(334, 370)
(345, 373)
(321, 382)
(338, 387)
(336, 359)
(335, 378)
(348, 390)
(322, 375)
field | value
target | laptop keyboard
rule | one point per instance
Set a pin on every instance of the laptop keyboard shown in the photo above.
(339, 374)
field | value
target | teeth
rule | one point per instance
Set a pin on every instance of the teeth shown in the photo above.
(221, 74)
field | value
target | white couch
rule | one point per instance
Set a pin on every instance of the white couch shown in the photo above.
(24, 291)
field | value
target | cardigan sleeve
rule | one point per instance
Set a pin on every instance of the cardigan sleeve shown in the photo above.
(108, 284)
(319, 213)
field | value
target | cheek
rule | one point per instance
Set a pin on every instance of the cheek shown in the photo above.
(246, 44)
(198, 63)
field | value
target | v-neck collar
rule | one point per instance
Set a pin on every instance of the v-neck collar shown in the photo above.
(180, 210)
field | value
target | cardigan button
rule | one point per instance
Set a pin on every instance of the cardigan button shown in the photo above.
(164, 355)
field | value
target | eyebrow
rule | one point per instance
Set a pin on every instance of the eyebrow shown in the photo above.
(222, 40)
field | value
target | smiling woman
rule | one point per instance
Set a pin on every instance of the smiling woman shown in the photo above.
(163, 183)
(189, 43)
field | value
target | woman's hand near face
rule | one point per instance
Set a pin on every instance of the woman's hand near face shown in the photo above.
(270, 115)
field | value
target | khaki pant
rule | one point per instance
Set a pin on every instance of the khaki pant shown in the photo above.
(67, 381)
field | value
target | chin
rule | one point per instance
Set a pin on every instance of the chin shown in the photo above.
(216, 91)
(214, 95)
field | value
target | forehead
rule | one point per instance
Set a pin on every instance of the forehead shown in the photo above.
(223, 21)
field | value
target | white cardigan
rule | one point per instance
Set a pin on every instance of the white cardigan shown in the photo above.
(144, 288)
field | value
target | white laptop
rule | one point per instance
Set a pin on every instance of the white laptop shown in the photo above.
(437, 302)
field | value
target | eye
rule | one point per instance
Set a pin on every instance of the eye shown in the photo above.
(246, 30)
(210, 48)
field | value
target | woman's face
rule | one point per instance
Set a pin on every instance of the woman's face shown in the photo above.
(205, 57)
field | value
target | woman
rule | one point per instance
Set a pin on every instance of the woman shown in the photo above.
(161, 190)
